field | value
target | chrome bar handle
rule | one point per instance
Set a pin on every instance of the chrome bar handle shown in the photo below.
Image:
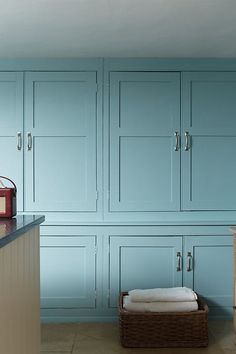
(19, 141)
(176, 141)
(189, 262)
(187, 141)
(29, 143)
(178, 262)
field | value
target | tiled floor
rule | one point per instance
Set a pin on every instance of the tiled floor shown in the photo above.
(98, 338)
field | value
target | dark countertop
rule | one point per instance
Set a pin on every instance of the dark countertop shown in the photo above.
(10, 229)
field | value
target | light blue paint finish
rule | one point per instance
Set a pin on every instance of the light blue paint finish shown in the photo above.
(52, 64)
(169, 64)
(144, 168)
(209, 109)
(11, 123)
(211, 272)
(68, 272)
(143, 262)
(60, 111)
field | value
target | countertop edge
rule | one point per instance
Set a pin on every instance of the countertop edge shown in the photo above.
(21, 224)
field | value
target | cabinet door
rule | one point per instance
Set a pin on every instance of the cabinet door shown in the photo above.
(209, 110)
(144, 166)
(68, 272)
(11, 129)
(210, 272)
(143, 262)
(60, 111)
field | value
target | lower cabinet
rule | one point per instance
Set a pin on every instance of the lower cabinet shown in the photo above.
(68, 272)
(208, 270)
(143, 262)
(84, 268)
(203, 263)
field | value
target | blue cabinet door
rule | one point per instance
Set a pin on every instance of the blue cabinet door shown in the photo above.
(60, 164)
(144, 166)
(208, 269)
(143, 262)
(208, 170)
(68, 272)
(11, 130)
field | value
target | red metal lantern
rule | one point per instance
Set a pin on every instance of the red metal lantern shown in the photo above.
(7, 199)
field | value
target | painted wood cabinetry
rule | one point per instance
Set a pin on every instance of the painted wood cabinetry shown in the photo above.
(60, 115)
(143, 262)
(58, 145)
(203, 263)
(68, 274)
(208, 269)
(84, 268)
(11, 130)
(144, 156)
(146, 142)
(208, 115)
(118, 146)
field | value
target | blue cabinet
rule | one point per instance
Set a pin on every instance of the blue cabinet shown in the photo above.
(143, 262)
(60, 124)
(208, 269)
(144, 160)
(208, 114)
(11, 130)
(203, 262)
(144, 156)
(68, 268)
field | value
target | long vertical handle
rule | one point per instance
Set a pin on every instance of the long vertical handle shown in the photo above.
(29, 143)
(176, 141)
(19, 141)
(189, 268)
(187, 141)
(178, 262)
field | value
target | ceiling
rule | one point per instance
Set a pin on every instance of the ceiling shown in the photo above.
(117, 28)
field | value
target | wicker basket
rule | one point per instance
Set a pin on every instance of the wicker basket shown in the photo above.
(163, 329)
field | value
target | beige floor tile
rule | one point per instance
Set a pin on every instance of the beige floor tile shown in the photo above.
(99, 330)
(55, 352)
(96, 338)
(112, 345)
(57, 337)
(223, 333)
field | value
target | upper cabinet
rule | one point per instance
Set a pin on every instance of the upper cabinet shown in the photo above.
(168, 142)
(209, 134)
(11, 130)
(60, 134)
(145, 170)
(144, 165)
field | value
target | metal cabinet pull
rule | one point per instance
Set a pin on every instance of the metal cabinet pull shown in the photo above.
(178, 262)
(19, 141)
(176, 141)
(189, 262)
(29, 143)
(187, 141)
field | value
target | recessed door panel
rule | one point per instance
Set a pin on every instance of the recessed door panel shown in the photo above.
(68, 272)
(212, 178)
(144, 151)
(11, 130)
(211, 271)
(140, 168)
(55, 178)
(208, 172)
(143, 262)
(61, 163)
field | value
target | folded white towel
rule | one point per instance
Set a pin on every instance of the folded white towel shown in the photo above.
(163, 294)
(180, 306)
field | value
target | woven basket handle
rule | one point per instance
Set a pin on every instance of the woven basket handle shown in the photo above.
(8, 180)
